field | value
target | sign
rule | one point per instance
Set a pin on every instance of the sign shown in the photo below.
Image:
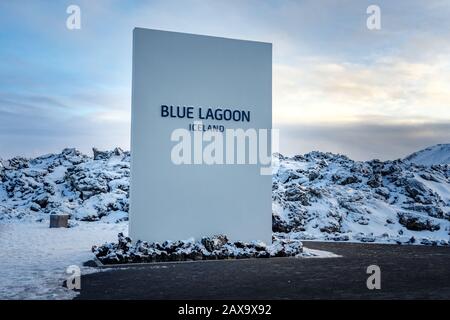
(200, 108)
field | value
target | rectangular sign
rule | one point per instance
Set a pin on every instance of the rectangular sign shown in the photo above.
(195, 99)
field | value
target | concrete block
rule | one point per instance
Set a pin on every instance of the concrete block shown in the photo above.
(59, 220)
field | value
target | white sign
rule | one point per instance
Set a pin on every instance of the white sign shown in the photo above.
(193, 97)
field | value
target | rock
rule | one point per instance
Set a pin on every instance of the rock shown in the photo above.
(315, 196)
(296, 193)
(415, 188)
(41, 200)
(343, 237)
(118, 152)
(365, 238)
(431, 210)
(428, 242)
(101, 155)
(214, 243)
(262, 254)
(415, 222)
(369, 187)
(285, 248)
(279, 225)
(375, 181)
(209, 248)
(124, 243)
(288, 175)
(343, 178)
(35, 207)
(67, 181)
(239, 244)
(313, 175)
(70, 152)
(428, 176)
(384, 192)
(331, 227)
(278, 156)
(390, 167)
(16, 163)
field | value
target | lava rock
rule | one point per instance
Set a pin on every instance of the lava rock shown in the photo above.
(214, 243)
(415, 222)
(209, 248)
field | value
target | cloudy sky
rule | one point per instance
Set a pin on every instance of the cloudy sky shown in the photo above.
(337, 86)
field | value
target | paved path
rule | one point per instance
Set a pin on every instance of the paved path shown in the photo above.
(407, 272)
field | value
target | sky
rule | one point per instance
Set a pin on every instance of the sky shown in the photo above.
(337, 86)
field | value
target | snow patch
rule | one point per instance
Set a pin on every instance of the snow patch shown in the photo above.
(438, 154)
(35, 257)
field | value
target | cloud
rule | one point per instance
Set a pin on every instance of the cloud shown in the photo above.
(322, 90)
(33, 135)
(329, 71)
(363, 140)
(32, 126)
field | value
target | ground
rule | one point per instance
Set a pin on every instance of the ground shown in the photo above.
(407, 272)
(34, 257)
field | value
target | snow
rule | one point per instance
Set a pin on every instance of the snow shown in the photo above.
(438, 154)
(316, 196)
(314, 253)
(324, 196)
(442, 189)
(35, 257)
(69, 182)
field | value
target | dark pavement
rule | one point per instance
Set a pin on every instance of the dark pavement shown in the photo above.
(407, 272)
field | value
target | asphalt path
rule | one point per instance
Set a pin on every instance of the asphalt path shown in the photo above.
(407, 272)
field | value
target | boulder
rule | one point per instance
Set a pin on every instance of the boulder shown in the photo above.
(416, 222)
(101, 155)
(214, 243)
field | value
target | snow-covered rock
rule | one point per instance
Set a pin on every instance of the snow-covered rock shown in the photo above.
(328, 196)
(315, 196)
(69, 182)
(438, 154)
(209, 248)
